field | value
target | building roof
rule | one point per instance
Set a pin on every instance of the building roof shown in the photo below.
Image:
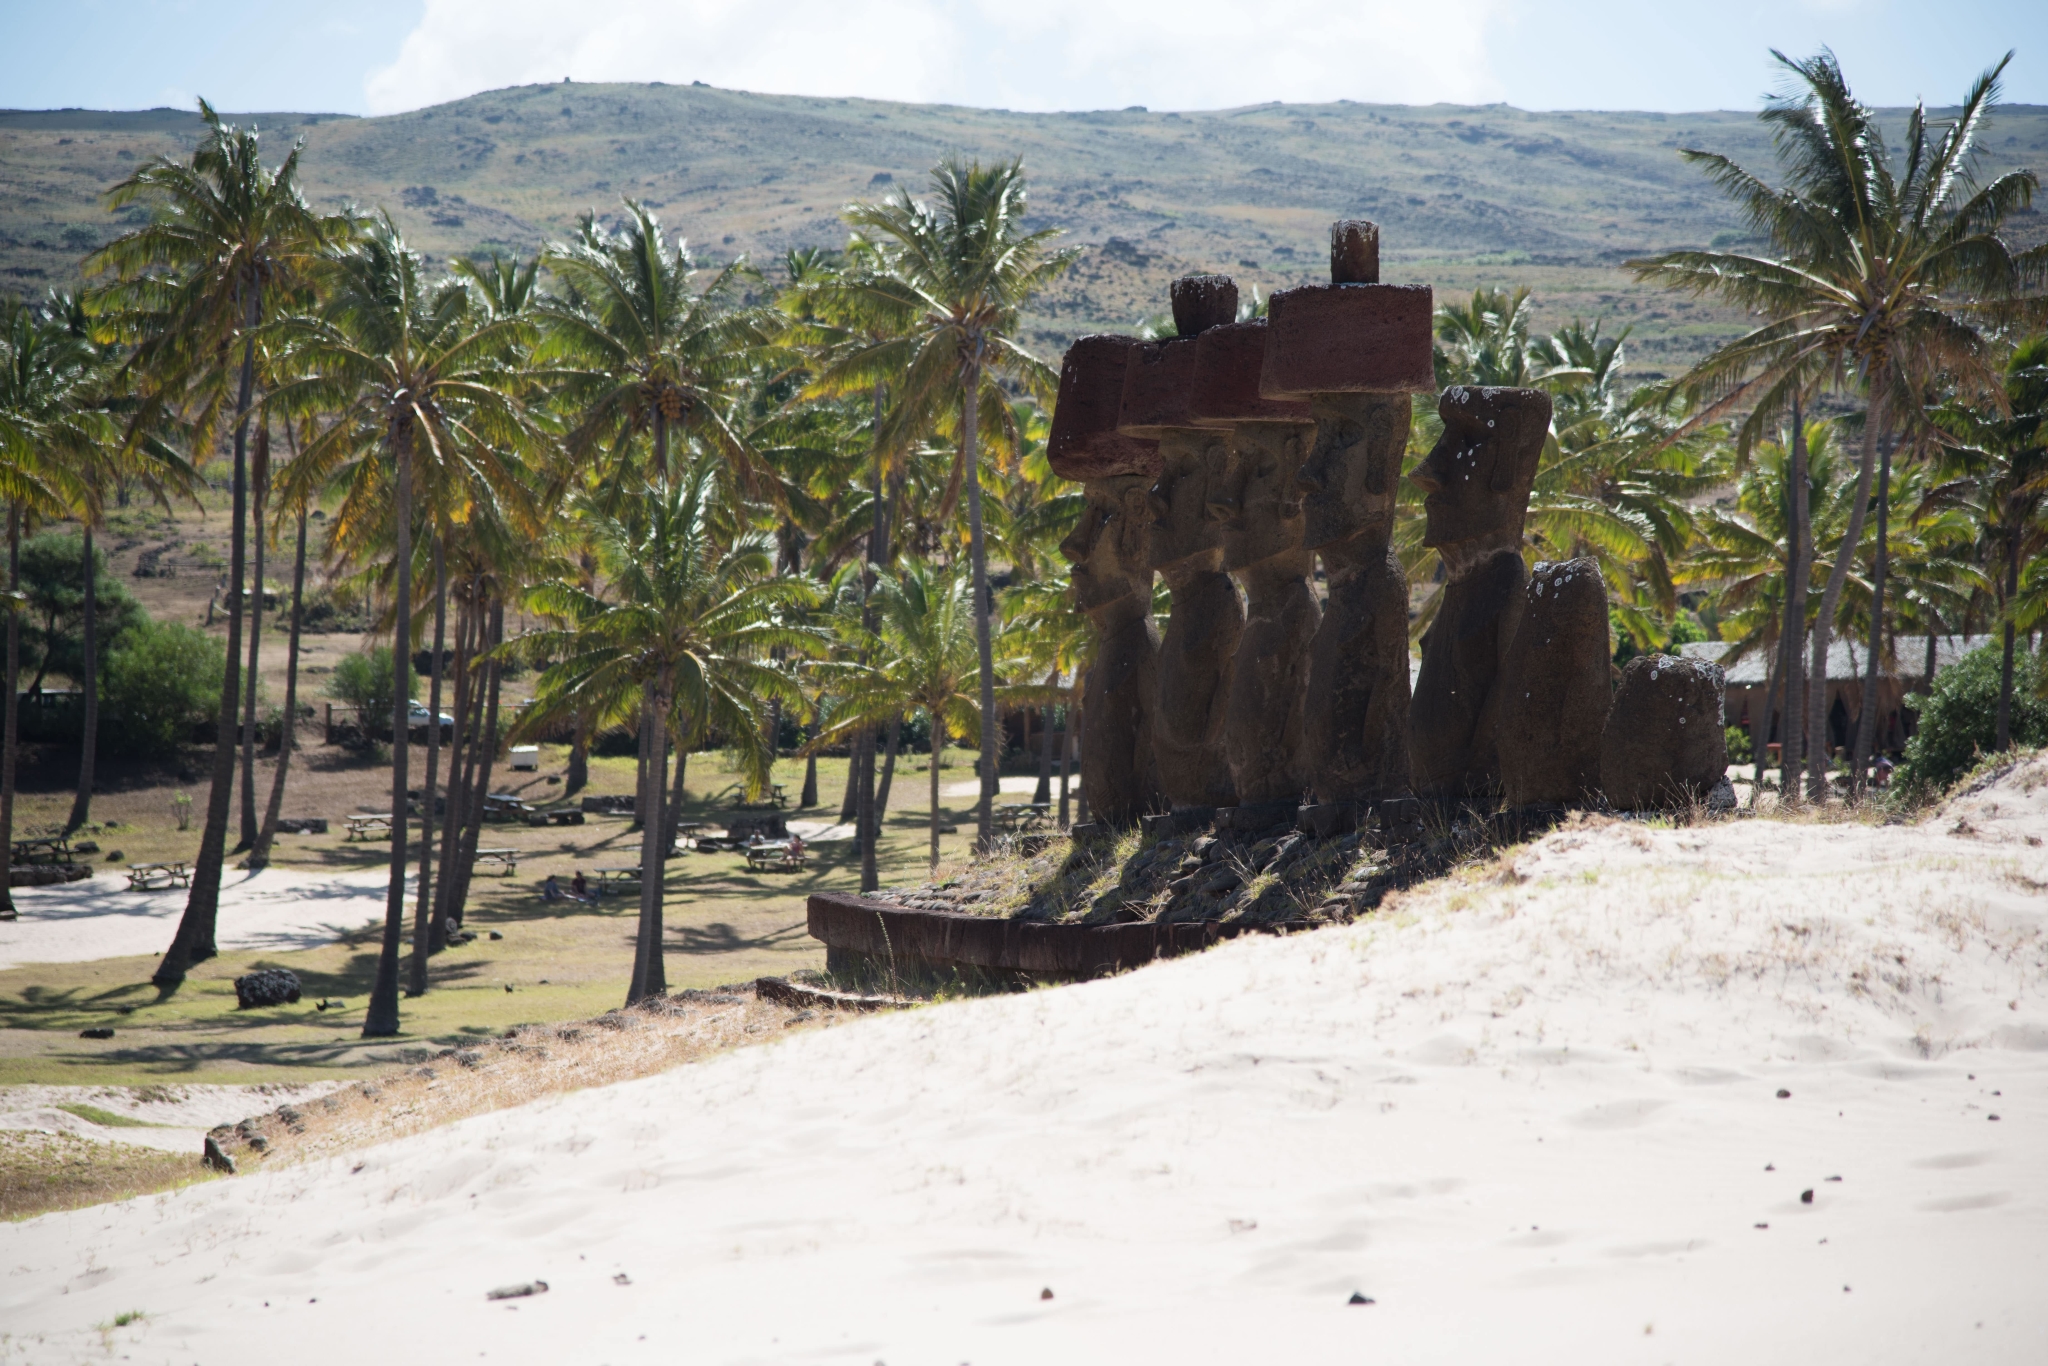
(1846, 658)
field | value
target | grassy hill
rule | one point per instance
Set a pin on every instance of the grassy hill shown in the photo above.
(1465, 196)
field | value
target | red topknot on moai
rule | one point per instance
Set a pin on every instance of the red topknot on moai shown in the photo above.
(1112, 576)
(1355, 349)
(1206, 617)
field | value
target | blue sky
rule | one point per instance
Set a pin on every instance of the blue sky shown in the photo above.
(376, 56)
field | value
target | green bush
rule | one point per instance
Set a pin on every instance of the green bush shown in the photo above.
(162, 681)
(1959, 722)
(1738, 745)
(364, 681)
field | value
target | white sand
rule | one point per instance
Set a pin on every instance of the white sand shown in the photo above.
(276, 909)
(177, 1116)
(1534, 1117)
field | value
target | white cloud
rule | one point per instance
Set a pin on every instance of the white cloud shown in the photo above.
(1056, 54)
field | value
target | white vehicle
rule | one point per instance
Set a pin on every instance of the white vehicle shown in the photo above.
(417, 714)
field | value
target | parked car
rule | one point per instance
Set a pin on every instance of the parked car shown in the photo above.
(417, 715)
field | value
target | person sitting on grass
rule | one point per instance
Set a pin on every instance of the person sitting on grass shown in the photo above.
(580, 888)
(551, 890)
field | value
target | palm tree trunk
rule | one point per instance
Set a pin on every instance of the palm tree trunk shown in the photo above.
(1800, 548)
(89, 736)
(1831, 597)
(12, 710)
(888, 772)
(459, 762)
(1078, 722)
(288, 733)
(809, 797)
(1760, 731)
(867, 814)
(2012, 591)
(579, 756)
(487, 744)
(423, 905)
(259, 482)
(938, 748)
(674, 808)
(978, 553)
(1066, 762)
(866, 827)
(649, 976)
(1866, 719)
(1043, 792)
(194, 940)
(380, 1021)
(849, 802)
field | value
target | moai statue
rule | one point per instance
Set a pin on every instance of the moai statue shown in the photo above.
(1186, 547)
(1355, 349)
(1477, 480)
(1112, 576)
(1262, 547)
(1666, 743)
(1555, 688)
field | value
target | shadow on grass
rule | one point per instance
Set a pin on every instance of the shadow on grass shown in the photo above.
(719, 937)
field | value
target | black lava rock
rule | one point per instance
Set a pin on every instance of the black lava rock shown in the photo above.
(267, 987)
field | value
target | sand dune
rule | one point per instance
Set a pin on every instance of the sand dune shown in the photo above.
(1564, 1109)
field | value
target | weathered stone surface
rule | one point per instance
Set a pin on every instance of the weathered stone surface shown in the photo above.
(1225, 385)
(1263, 548)
(1665, 744)
(1476, 483)
(1356, 710)
(1201, 302)
(1159, 388)
(1555, 688)
(1354, 252)
(1347, 338)
(1112, 583)
(1084, 442)
(1204, 625)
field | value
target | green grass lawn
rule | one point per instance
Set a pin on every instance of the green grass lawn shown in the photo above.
(722, 923)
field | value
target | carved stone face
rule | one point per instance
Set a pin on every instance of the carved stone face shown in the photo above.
(1263, 498)
(1477, 477)
(1108, 546)
(1184, 523)
(1348, 480)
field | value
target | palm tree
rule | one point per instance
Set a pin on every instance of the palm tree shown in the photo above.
(226, 232)
(927, 647)
(681, 635)
(45, 369)
(412, 380)
(633, 348)
(1884, 273)
(1996, 465)
(956, 275)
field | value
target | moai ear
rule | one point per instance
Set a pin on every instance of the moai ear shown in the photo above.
(1382, 457)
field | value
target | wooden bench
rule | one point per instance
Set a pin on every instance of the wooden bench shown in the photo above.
(142, 877)
(1023, 817)
(558, 815)
(773, 856)
(363, 827)
(506, 858)
(617, 879)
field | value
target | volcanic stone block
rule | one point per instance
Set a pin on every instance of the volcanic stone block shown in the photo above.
(1201, 302)
(1112, 582)
(1204, 624)
(1084, 442)
(267, 987)
(1665, 745)
(1224, 388)
(1262, 547)
(1555, 688)
(1476, 483)
(1350, 338)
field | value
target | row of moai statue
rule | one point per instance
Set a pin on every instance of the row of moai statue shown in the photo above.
(1226, 460)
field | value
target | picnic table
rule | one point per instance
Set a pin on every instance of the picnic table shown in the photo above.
(142, 877)
(618, 878)
(505, 806)
(559, 815)
(686, 834)
(50, 840)
(772, 856)
(506, 858)
(364, 826)
(1023, 817)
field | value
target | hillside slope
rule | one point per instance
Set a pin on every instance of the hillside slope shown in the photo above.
(1466, 195)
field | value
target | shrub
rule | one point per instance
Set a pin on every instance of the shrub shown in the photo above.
(1959, 721)
(363, 681)
(1738, 745)
(163, 680)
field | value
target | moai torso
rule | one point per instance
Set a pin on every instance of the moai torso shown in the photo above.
(1206, 614)
(1665, 744)
(1113, 585)
(1476, 481)
(1112, 577)
(1357, 349)
(1554, 688)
